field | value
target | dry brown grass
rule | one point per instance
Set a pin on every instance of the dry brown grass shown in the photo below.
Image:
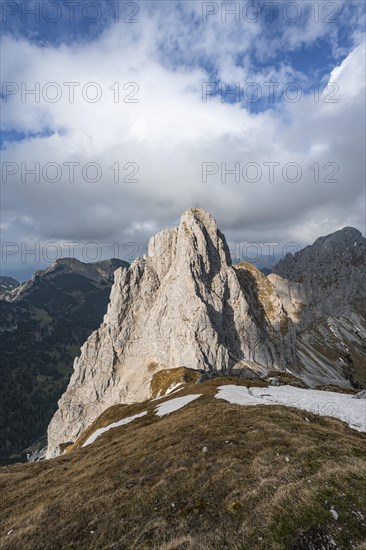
(166, 378)
(149, 485)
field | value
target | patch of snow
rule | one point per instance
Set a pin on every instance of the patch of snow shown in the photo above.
(173, 387)
(174, 404)
(101, 431)
(334, 513)
(324, 403)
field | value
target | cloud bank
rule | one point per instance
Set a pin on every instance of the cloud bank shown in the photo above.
(279, 171)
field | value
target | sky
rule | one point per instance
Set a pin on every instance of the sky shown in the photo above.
(118, 116)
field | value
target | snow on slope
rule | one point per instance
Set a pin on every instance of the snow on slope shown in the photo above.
(324, 403)
(339, 405)
(161, 410)
(101, 431)
(174, 404)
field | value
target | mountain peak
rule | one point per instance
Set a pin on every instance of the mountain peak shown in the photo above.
(185, 305)
(344, 244)
(197, 241)
(351, 230)
(181, 305)
(344, 237)
(198, 215)
(66, 261)
(97, 272)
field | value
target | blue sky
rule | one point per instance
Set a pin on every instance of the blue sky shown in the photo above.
(164, 53)
(46, 25)
(314, 55)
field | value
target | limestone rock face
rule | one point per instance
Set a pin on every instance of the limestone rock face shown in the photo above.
(182, 305)
(185, 305)
(329, 275)
(323, 289)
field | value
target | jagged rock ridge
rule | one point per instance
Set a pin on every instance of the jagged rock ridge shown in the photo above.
(323, 288)
(184, 304)
(329, 274)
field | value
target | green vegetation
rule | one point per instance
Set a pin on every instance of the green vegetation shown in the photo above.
(40, 337)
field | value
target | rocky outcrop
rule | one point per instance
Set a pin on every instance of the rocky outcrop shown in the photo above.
(328, 277)
(183, 304)
(322, 287)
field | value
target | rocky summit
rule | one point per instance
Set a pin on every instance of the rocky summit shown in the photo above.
(185, 304)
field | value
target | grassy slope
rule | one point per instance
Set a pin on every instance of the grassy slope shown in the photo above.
(149, 484)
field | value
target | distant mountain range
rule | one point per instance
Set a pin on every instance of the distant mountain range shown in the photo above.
(43, 324)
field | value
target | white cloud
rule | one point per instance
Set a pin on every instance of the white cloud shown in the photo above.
(170, 132)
